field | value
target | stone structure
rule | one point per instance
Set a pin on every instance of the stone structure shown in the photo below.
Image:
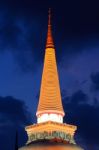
(50, 130)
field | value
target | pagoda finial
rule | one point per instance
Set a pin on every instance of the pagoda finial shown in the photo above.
(49, 16)
(49, 43)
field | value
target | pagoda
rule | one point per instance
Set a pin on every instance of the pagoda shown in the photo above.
(50, 128)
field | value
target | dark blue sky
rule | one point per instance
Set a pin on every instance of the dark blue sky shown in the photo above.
(23, 28)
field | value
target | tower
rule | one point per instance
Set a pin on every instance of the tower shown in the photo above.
(50, 104)
(50, 128)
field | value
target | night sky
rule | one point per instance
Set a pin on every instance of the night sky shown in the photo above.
(23, 29)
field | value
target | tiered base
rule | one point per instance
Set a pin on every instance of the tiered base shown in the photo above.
(63, 133)
(51, 136)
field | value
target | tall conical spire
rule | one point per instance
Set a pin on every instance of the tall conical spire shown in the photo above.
(49, 42)
(50, 98)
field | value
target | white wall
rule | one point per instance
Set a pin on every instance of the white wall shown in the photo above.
(50, 117)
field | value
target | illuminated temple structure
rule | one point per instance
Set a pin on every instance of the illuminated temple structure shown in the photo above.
(50, 129)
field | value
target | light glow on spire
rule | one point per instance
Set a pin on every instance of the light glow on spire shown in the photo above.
(50, 104)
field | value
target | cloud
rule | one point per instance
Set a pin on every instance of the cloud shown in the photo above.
(13, 111)
(14, 116)
(23, 29)
(85, 116)
(22, 36)
(95, 81)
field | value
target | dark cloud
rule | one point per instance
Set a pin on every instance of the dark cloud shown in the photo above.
(95, 81)
(13, 111)
(85, 116)
(14, 116)
(22, 37)
(79, 97)
(23, 27)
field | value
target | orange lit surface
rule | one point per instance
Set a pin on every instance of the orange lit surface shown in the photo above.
(51, 126)
(56, 147)
(50, 97)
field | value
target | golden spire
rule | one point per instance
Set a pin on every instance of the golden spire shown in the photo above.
(50, 96)
(49, 42)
